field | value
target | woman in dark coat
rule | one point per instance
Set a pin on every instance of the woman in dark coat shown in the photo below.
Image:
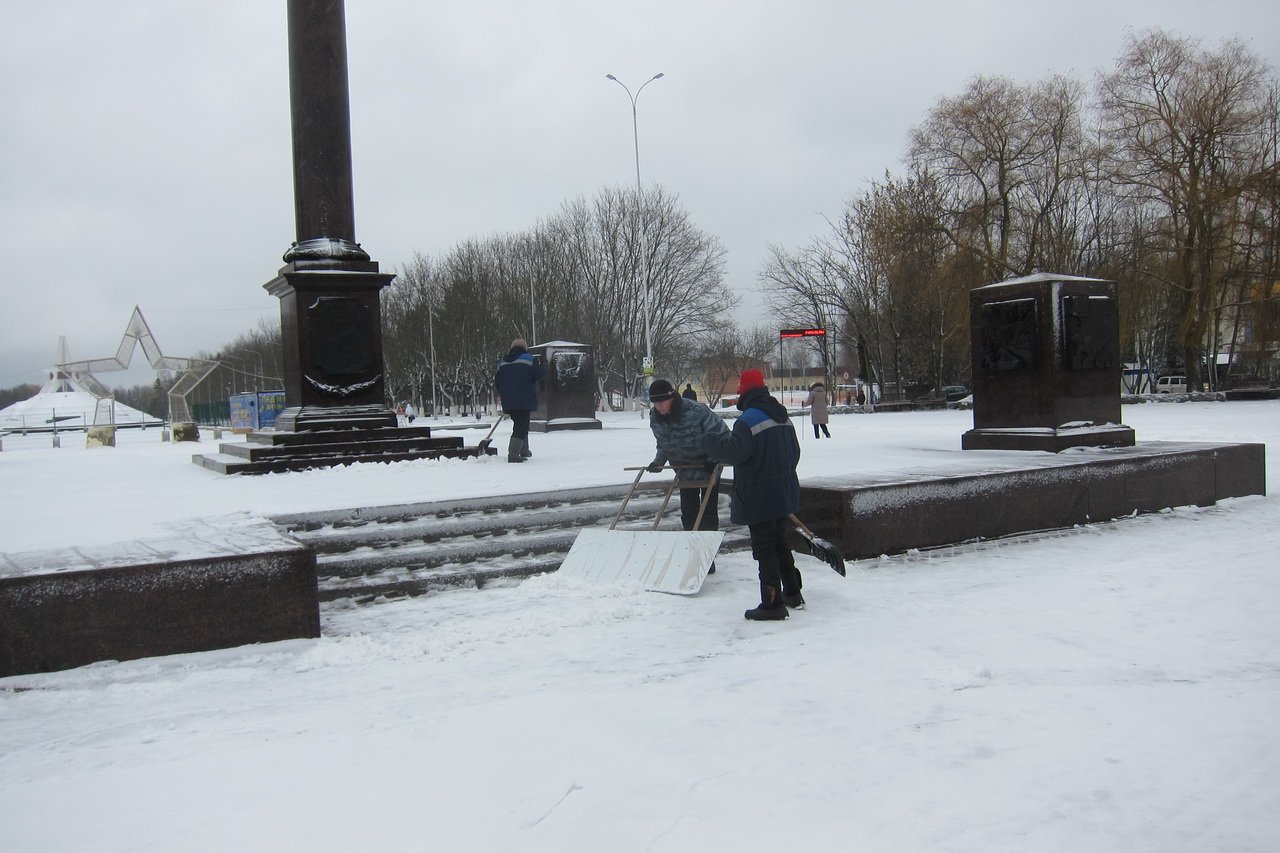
(817, 403)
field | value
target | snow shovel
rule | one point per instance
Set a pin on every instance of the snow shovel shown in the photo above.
(816, 546)
(488, 439)
(659, 560)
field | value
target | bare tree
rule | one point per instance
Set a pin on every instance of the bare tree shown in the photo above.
(577, 276)
(407, 331)
(1011, 168)
(1189, 130)
(801, 292)
(684, 268)
(727, 351)
(978, 147)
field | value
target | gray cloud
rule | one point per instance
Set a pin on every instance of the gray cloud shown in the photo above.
(145, 155)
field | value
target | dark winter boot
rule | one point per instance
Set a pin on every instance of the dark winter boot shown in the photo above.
(791, 581)
(515, 450)
(771, 608)
(524, 449)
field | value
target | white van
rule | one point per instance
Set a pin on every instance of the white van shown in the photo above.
(1171, 385)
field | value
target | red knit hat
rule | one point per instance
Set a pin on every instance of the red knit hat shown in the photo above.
(750, 379)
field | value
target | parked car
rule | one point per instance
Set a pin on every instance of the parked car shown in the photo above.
(1171, 385)
(954, 393)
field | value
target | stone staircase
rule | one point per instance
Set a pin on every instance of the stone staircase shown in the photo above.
(365, 555)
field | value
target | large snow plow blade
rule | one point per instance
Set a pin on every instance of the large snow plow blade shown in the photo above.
(658, 560)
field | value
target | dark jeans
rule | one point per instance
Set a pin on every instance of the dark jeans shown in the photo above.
(771, 552)
(519, 423)
(691, 499)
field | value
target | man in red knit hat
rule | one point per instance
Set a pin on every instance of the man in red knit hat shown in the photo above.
(764, 452)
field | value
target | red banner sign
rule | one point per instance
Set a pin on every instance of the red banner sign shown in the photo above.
(802, 333)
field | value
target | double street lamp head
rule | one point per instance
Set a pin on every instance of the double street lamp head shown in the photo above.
(657, 76)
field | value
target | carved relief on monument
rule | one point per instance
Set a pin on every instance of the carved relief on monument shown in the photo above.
(572, 371)
(340, 332)
(1090, 332)
(1010, 337)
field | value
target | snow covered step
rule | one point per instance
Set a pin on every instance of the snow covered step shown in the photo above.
(392, 580)
(368, 553)
(397, 583)
(418, 555)
(520, 542)
(433, 528)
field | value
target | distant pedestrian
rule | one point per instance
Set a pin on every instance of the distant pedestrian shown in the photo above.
(817, 403)
(688, 393)
(408, 412)
(764, 453)
(517, 381)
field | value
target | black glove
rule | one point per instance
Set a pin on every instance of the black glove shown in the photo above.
(655, 467)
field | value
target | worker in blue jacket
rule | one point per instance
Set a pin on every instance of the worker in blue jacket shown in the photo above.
(517, 381)
(764, 452)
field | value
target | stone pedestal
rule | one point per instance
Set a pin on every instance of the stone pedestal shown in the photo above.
(1046, 365)
(567, 398)
(331, 327)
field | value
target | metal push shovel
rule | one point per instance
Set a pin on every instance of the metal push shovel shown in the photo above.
(658, 560)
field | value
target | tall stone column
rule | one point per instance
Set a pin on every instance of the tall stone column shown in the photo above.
(330, 315)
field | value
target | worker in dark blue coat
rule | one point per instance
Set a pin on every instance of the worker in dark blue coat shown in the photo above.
(517, 381)
(764, 452)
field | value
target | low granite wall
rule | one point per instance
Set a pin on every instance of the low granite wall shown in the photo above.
(984, 500)
(218, 584)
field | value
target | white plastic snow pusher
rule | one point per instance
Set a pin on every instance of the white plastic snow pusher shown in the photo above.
(659, 560)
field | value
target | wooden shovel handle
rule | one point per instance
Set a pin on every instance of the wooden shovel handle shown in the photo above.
(798, 523)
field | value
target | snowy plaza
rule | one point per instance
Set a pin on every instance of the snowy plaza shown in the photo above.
(1111, 687)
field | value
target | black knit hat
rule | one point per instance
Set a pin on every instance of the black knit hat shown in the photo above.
(661, 390)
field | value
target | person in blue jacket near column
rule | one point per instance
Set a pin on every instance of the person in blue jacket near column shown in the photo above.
(517, 381)
(764, 452)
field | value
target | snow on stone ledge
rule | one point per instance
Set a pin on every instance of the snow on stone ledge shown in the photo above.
(236, 534)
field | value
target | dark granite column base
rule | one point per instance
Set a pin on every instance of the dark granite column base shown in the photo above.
(276, 451)
(309, 418)
(564, 423)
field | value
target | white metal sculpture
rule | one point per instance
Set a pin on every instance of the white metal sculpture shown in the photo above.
(193, 370)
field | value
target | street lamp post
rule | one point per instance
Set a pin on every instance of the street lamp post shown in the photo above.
(533, 310)
(431, 346)
(644, 259)
(235, 371)
(261, 379)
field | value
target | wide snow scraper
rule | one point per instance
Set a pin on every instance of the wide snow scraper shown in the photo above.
(659, 560)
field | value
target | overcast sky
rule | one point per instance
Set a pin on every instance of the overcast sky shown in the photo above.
(145, 152)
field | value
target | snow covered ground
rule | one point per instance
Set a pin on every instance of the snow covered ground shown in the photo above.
(1108, 688)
